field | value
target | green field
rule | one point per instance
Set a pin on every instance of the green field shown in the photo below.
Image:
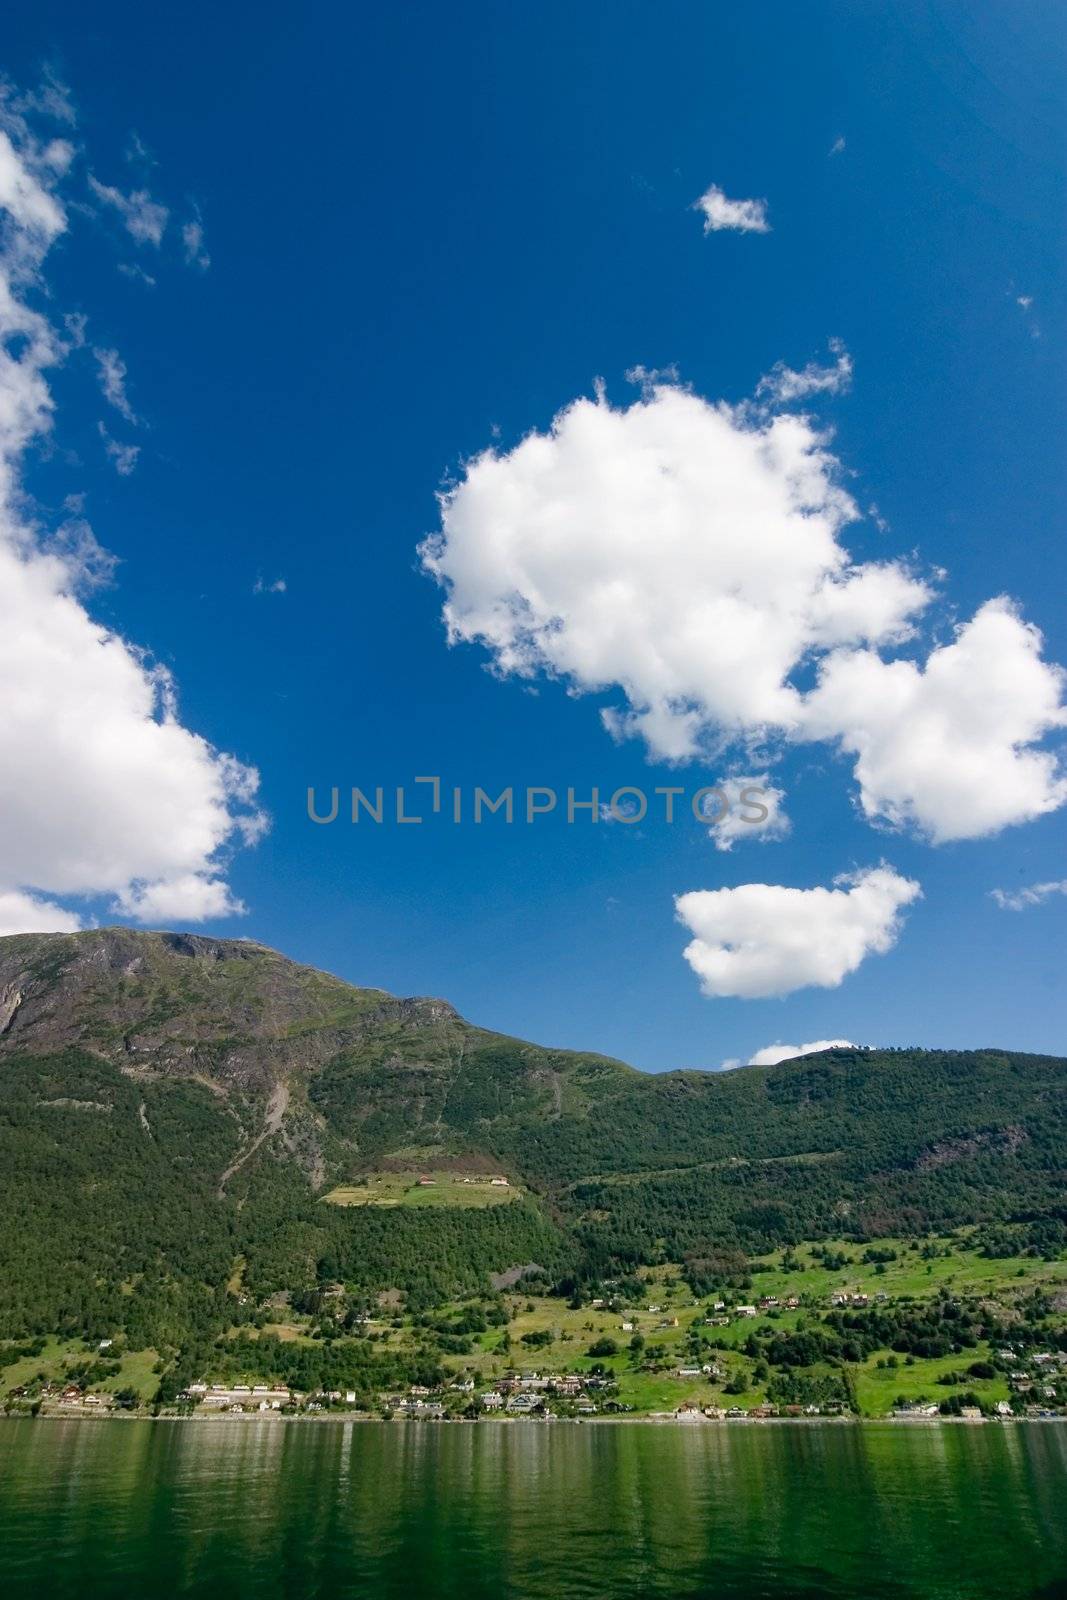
(408, 1189)
(60, 1355)
(962, 1270)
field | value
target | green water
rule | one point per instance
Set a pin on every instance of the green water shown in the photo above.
(145, 1509)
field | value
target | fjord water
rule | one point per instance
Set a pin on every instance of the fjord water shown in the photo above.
(154, 1509)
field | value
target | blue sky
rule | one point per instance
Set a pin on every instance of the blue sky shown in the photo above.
(430, 232)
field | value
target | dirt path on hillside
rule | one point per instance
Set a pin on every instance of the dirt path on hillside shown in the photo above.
(277, 1106)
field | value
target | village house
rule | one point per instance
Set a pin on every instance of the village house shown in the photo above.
(523, 1402)
(427, 1410)
(567, 1387)
(219, 1397)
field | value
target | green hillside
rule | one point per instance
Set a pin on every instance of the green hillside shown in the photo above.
(175, 1111)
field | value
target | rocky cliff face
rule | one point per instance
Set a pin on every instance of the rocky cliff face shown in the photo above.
(226, 1009)
(312, 1068)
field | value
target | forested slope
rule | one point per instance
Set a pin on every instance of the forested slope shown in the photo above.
(173, 1111)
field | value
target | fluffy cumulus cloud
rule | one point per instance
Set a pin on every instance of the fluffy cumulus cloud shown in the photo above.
(1034, 894)
(29, 913)
(103, 791)
(736, 216)
(685, 551)
(762, 939)
(949, 746)
(771, 1054)
(690, 555)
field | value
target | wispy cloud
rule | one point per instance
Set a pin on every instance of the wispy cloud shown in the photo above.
(138, 152)
(837, 147)
(144, 219)
(738, 216)
(262, 586)
(193, 244)
(1033, 895)
(52, 98)
(783, 385)
(130, 269)
(112, 373)
(123, 456)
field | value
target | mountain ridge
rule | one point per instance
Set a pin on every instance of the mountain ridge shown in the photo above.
(170, 1103)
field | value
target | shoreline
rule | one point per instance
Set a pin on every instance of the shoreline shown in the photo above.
(363, 1418)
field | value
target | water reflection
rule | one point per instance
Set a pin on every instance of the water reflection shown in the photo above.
(525, 1511)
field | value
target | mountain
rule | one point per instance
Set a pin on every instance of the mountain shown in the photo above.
(177, 1114)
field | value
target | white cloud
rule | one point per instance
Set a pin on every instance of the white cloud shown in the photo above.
(263, 586)
(123, 456)
(144, 219)
(103, 791)
(112, 374)
(689, 554)
(761, 939)
(838, 146)
(27, 913)
(130, 269)
(948, 746)
(36, 215)
(190, 898)
(782, 385)
(685, 551)
(1032, 895)
(193, 244)
(771, 1054)
(754, 810)
(51, 98)
(138, 152)
(740, 216)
